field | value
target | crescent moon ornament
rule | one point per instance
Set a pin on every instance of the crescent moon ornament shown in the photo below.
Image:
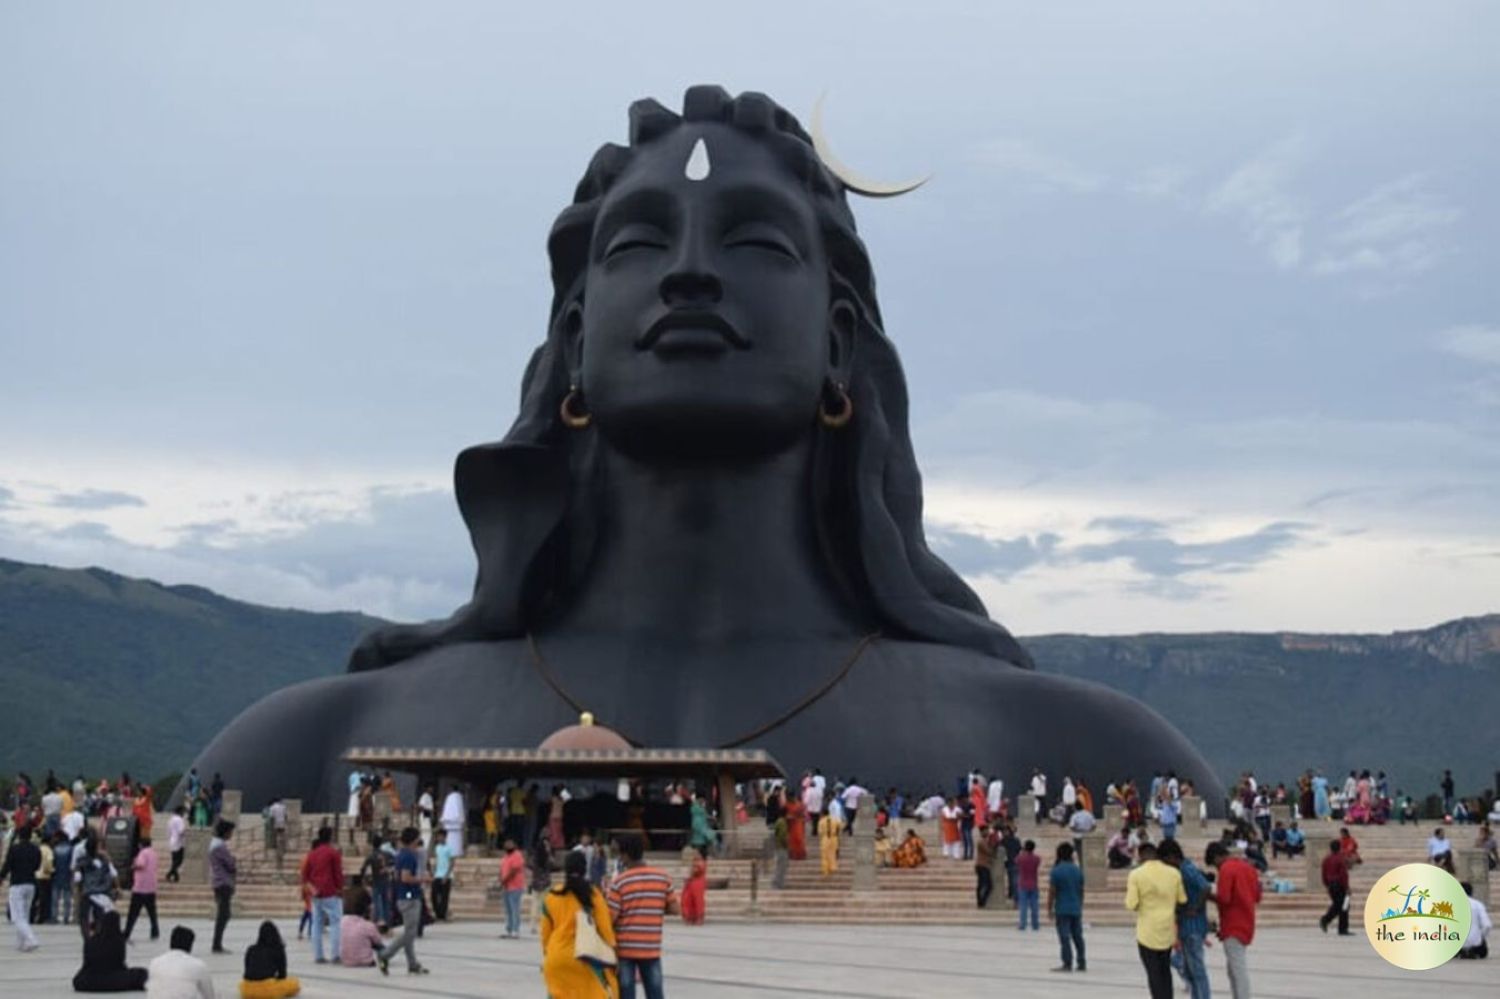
(848, 177)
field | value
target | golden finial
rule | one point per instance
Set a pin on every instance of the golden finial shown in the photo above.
(587, 718)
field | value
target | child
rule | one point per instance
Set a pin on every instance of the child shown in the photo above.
(306, 920)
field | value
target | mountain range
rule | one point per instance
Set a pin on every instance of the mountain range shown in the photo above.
(103, 673)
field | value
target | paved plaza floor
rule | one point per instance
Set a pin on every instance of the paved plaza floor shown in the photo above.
(760, 960)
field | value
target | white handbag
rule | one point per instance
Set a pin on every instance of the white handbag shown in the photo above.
(588, 945)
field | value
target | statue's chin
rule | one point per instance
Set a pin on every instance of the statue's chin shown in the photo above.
(693, 433)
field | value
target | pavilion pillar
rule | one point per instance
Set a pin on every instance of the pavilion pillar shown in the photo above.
(1317, 838)
(229, 807)
(728, 822)
(1189, 810)
(1094, 860)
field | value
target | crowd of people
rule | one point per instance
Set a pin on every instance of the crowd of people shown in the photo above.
(611, 903)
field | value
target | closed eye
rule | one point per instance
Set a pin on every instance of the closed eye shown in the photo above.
(635, 237)
(761, 236)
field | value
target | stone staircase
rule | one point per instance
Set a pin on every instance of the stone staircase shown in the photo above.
(939, 893)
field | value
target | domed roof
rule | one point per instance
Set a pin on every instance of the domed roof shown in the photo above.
(585, 735)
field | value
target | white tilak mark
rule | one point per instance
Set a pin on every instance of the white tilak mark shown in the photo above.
(697, 164)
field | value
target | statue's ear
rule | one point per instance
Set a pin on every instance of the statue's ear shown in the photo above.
(843, 324)
(572, 340)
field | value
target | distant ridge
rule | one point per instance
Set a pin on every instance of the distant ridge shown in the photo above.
(119, 673)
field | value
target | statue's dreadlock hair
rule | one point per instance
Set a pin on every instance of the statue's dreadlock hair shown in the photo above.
(529, 500)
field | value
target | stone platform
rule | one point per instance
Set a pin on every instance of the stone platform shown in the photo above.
(728, 960)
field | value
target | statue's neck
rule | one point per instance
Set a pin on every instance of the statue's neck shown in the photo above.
(709, 552)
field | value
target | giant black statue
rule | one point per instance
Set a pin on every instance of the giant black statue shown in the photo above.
(705, 526)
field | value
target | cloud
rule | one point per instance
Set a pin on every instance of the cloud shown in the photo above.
(1257, 193)
(393, 552)
(96, 499)
(1039, 168)
(1159, 564)
(7, 499)
(1473, 343)
(1149, 551)
(1397, 227)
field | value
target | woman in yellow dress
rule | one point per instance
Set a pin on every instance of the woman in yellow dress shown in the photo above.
(492, 819)
(567, 976)
(829, 830)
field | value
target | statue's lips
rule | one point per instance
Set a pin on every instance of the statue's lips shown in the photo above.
(691, 331)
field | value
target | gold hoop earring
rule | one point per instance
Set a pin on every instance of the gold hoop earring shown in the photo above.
(844, 413)
(571, 419)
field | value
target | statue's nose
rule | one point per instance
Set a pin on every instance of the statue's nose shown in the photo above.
(691, 288)
(691, 281)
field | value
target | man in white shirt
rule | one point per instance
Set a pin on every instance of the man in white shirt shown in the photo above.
(276, 820)
(1081, 823)
(812, 800)
(424, 816)
(853, 795)
(996, 796)
(177, 974)
(1038, 794)
(73, 823)
(1069, 795)
(455, 817)
(1437, 845)
(929, 808)
(1475, 945)
(176, 832)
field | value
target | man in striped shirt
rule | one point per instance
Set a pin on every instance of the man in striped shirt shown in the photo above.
(639, 898)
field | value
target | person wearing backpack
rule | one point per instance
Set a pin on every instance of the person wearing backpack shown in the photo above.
(97, 879)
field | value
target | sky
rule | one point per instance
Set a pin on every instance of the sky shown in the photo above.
(1199, 310)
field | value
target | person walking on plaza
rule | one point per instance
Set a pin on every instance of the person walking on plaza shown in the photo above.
(1065, 907)
(276, 825)
(1028, 886)
(408, 878)
(176, 833)
(223, 872)
(695, 893)
(62, 878)
(1336, 883)
(322, 872)
(143, 888)
(578, 955)
(639, 898)
(22, 861)
(1192, 920)
(1153, 892)
(512, 887)
(1237, 892)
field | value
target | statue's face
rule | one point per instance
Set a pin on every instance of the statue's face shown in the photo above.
(705, 327)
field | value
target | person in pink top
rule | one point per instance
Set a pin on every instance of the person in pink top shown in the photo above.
(143, 888)
(358, 937)
(513, 884)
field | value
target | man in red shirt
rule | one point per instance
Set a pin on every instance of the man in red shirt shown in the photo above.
(323, 872)
(1237, 893)
(1336, 880)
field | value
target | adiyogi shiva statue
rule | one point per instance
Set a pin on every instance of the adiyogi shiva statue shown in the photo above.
(705, 525)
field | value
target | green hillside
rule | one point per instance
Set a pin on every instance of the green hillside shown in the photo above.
(113, 673)
(102, 673)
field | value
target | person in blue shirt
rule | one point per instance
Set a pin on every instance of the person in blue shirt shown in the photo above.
(1192, 919)
(408, 882)
(1065, 907)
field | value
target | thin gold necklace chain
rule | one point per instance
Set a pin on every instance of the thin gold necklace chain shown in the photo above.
(545, 671)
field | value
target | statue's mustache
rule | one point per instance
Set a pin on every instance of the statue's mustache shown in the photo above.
(692, 319)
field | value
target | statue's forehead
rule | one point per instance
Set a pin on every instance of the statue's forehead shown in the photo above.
(734, 160)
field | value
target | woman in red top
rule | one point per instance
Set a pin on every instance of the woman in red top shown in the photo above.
(694, 893)
(796, 829)
(513, 887)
